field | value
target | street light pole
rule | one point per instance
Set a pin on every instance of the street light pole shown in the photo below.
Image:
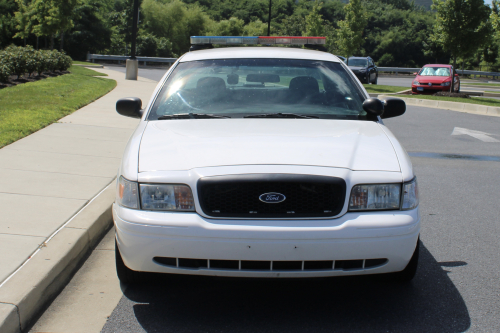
(132, 69)
(269, 20)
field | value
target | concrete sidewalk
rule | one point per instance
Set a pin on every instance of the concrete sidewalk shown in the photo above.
(49, 176)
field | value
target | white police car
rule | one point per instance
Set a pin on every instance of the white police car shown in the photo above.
(264, 162)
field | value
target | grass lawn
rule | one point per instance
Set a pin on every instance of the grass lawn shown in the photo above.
(28, 107)
(481, 84)
(85, 63)
(474, 100)
(379, 89)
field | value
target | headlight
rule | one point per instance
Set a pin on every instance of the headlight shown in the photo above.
(166, 197)
(154, 196)
(375, 197)
(127, 194)
(416, 83)
(410, 195)
(447, 83)
(362, 70)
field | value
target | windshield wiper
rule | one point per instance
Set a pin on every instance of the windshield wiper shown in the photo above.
(280, 115)
(190, 116)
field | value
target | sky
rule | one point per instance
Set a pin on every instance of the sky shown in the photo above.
(488, 2)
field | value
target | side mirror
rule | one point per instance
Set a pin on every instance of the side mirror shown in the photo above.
(415, 73)
(456, 74)
(373, 106)
(393, 107)
(130, 107)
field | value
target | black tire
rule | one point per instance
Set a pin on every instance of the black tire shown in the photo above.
(367, 80)
(376, 80)
(125, 274)
(458, 90)
(407, 274)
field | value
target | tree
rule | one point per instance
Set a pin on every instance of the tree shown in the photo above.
(461, 27)
(314, 22)
(23, 20)
(350, 32)
(53, 17)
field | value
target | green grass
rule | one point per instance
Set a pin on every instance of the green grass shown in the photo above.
(494, 92)
(379, 89)
(78, 70)
(29, 107)
(481, 84)
(474, 100)
(85, 63)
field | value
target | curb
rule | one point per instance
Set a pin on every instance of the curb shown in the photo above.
(27, 293)
(453, 106)
(89, 66)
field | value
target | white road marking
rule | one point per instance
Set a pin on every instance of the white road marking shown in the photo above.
(485, 137)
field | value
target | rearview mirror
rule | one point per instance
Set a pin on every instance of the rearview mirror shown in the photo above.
(272, 78)
(130, 107)
(393, 107)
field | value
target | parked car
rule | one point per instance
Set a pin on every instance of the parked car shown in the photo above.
(264, 162)
(364, 68)
(434, 78)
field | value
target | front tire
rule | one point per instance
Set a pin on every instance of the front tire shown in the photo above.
(125, 274)
(376, 80)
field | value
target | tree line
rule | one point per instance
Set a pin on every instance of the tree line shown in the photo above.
(393, 32)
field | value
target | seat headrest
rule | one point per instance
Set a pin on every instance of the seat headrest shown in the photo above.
(304, 84)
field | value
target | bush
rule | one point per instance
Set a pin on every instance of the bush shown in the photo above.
(16, 56)
(20, 60)
(41, 61)
(4, 69)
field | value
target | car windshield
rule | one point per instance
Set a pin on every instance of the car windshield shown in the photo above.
(435, 71)
(239, 88)
(358, 62)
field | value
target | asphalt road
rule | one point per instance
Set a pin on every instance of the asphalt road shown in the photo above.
(456, 287)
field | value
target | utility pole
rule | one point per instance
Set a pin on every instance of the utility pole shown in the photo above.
(269, 20)
(132, 67)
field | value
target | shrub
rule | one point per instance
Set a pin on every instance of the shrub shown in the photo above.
(16, 56)
(41, 61)
(4, 69)
(29, 55)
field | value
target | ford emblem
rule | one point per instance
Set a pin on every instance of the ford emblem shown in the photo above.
(272, 197)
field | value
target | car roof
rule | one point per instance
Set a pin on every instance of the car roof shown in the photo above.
(432, 65)
(359, 58)
(258, 52)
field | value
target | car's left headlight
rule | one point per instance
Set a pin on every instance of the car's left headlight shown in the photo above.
(384, 196)
(447, 83)
(167, 197)
(416, 83)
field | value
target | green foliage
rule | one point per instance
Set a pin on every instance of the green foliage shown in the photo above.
(232, 27)
(26, 60)
(53, 16)
(148, 45)
(5, 68)
(314, 22)
(461, 26)
(350, 32)
(174, 21)
(23, 19)
(7, 21)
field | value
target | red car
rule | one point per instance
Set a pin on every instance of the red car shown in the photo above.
(434, 78)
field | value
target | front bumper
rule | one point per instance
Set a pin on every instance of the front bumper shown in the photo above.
(143, 235)
(428, 89)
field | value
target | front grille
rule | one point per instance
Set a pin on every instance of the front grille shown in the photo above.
(263, 265)
(238, 196)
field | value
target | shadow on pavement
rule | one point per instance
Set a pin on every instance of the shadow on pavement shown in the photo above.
(431, 303)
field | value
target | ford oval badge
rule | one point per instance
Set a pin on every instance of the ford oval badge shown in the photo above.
(272, 197)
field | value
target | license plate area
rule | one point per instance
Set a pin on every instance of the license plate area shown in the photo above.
(420, 88)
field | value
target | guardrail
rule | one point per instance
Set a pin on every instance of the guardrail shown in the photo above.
(397, 70)
(413, 70)
(93, 57)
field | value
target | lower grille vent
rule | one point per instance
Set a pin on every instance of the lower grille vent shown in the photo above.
(255, 265)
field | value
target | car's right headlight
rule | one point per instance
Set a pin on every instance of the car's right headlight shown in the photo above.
(384, 196)
(416, 83)
(164, 197)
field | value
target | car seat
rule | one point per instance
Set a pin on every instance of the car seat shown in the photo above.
(302, 89)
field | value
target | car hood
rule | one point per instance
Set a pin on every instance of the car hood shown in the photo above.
(169, 145)
(356, 68)
(432, 79)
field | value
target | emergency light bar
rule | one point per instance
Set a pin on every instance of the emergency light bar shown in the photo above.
(273, 40)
